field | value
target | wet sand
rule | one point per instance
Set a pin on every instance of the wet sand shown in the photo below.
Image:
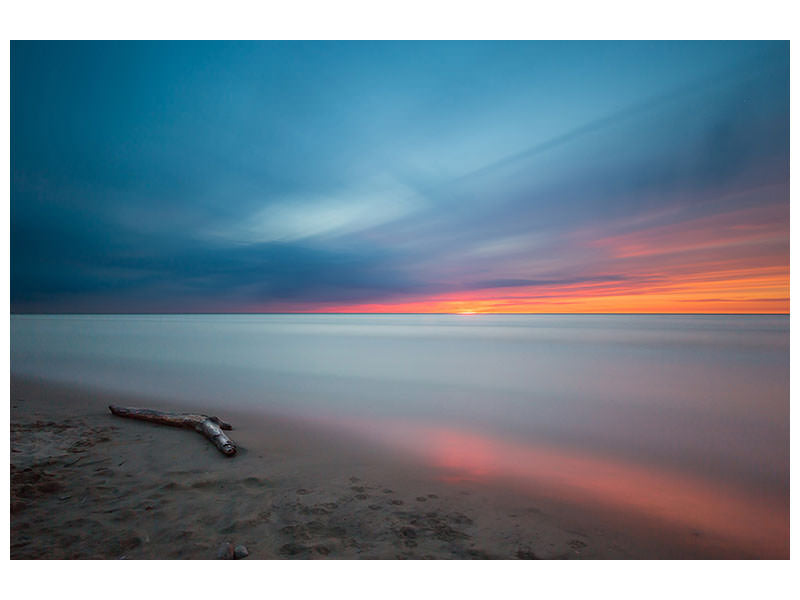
(88, 485)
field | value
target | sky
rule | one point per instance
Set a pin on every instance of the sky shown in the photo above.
(400, 177)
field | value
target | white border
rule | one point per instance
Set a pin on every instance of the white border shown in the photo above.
(411, 19)
(399, 19)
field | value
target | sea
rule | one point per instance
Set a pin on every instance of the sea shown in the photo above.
(681, 418)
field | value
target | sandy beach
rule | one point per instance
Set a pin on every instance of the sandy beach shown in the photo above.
(88, 485)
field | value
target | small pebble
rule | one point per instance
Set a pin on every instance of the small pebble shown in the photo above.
(240, 551)
(225, 552)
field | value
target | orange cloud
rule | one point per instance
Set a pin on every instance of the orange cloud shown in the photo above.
(731, 262)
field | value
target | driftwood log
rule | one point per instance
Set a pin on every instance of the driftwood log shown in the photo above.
(211, 427)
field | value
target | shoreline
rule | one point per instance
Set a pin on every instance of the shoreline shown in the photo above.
(86, 484)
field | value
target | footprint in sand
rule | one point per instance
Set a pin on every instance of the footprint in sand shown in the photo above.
(361, 496)
(433, 496)
(294, 549)
(576, 544)
(374, 506)
(460, 519)
(303, 491)
(253, 482)
(421, 499)
(312, 510)
(357, 488)
(388, 491)
(397, 502)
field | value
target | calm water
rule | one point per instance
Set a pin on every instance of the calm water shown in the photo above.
(682, 418)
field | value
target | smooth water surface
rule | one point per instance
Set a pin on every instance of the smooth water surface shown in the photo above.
(682, 418)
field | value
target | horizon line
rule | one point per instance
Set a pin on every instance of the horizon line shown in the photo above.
(460, 314)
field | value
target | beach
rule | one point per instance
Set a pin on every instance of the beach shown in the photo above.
(88, 485)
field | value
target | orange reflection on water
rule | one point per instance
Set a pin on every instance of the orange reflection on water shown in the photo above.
(460, 455)
(680, 500)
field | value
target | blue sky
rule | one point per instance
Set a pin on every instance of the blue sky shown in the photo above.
(283, 176)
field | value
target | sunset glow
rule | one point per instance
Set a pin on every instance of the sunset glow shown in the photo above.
(611, 191)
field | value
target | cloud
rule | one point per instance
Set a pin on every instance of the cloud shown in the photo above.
(339, 213)
(279, 176)
(501, 283)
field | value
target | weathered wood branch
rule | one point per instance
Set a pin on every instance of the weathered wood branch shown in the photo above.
(211, 427)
